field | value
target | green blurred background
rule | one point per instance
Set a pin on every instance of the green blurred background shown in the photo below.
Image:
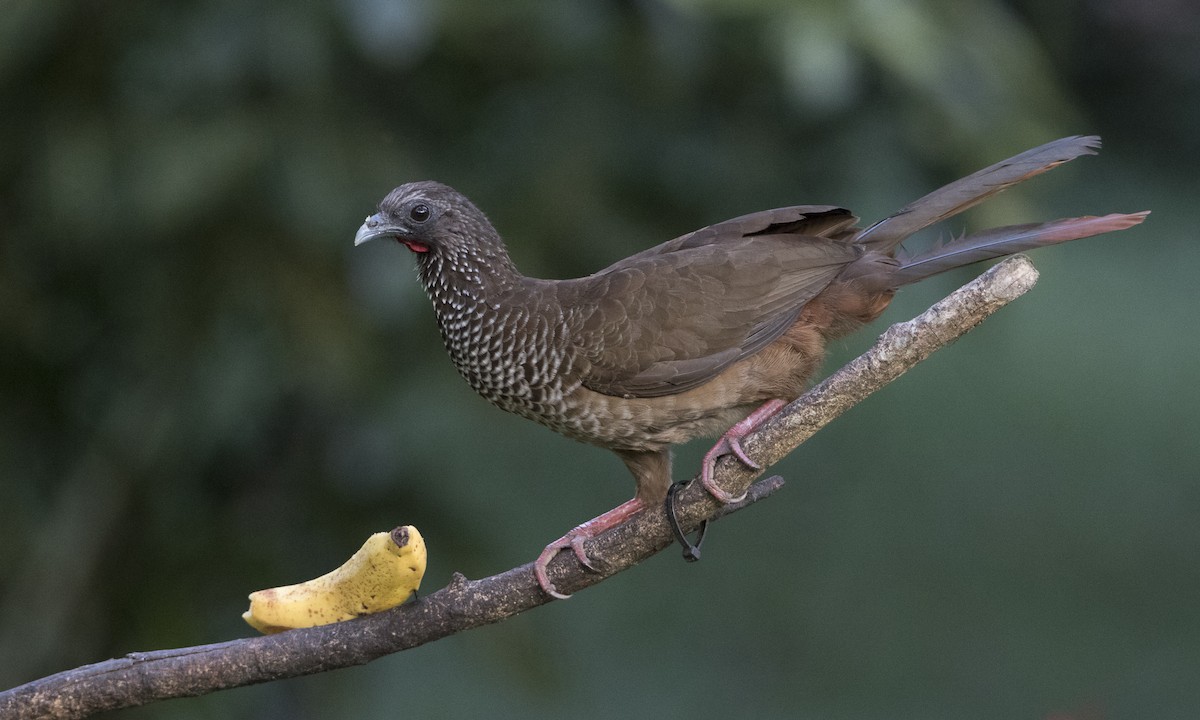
(207, 390)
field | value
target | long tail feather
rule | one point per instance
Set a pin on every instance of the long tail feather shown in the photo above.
(1001, 241)
(974, 189)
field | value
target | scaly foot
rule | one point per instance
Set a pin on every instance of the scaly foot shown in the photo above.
(730, 444)
(577, 537)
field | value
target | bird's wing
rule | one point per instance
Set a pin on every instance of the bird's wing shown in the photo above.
(817, 220)
(673, 317)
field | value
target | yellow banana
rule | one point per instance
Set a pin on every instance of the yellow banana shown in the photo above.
(384, 572)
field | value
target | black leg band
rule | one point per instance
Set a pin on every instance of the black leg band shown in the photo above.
(691, 552)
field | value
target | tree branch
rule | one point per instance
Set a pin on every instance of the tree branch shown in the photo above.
(144, 677)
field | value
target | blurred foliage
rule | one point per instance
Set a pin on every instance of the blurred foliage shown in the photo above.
(207, 390)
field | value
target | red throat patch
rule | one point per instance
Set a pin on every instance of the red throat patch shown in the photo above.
(416, 246)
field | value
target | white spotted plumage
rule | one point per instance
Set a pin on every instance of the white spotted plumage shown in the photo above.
(511, 356)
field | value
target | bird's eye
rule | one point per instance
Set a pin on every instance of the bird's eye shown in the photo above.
(419, 213)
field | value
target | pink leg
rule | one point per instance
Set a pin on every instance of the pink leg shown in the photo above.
(730, 444)
(575, 539)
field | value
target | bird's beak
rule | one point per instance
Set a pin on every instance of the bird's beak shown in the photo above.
(375, 227)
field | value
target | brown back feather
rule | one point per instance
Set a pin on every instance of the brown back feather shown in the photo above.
(672, 317)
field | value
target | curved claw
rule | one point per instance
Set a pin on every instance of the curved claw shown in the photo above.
(735, 447)
(706, 472)
(731, 444)
(581, 554)
(575, 540)
(539, 571)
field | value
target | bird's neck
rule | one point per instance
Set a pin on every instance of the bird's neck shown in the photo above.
(466, 278)
(471, 288)
(485, 312)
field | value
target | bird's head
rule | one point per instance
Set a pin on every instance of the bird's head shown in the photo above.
(430, 218)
